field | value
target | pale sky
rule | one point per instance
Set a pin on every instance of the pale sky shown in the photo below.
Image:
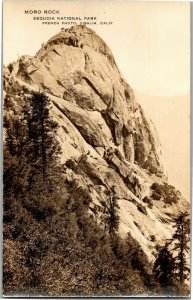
(151, 45)
(149, 40)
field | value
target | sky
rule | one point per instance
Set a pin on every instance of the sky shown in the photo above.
(150, 41)
(172, 119)
(151, 45)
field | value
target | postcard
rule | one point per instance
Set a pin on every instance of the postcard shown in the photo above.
(96, 148)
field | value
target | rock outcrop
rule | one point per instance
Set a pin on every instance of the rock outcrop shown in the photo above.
(107, 142)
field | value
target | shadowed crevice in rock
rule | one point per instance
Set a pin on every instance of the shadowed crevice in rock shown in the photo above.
(92, 86)
(54, 50)
(110, 124)
(105, 137)
(90, 131)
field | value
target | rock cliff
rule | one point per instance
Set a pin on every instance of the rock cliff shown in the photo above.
(107, 141)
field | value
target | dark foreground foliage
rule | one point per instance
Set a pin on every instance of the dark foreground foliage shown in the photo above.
(53, 244)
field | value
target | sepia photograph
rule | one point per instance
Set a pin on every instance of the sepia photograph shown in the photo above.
(96, 148)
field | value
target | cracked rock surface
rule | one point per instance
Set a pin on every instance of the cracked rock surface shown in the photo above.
(102, 129)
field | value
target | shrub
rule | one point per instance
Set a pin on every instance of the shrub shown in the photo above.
(152, 237)
(156, 187)
(150, 205)
(156, 195)
(71, 164)
(165, 191)
(146, 199)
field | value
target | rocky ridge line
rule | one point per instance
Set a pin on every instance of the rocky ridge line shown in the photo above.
(107, 142)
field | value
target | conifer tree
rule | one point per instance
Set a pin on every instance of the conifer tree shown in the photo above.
(43, 147)
(15, 166)
(171, 267)
(110, 213)
(164, 269)
(180, 243)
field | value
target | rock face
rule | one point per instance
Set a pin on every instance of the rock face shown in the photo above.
(107, 142)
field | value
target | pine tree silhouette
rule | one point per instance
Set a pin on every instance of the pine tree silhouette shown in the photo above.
(43, 148)
(180, 244)
(164, 269)
(110, 213)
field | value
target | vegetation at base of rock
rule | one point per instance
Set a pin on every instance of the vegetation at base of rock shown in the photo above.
(63, 222)
(180, 246)
(164, 270)
(171, 267)
(53, 244)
